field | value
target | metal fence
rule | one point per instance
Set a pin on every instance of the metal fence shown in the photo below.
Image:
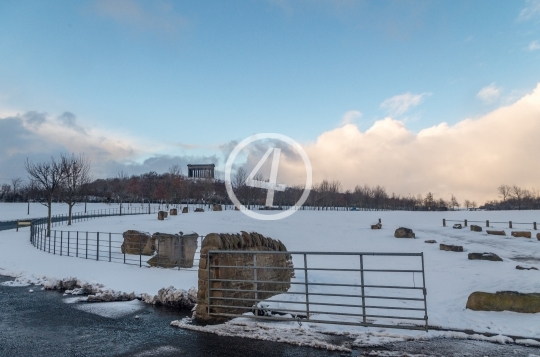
(101, 246)
(488, 223)
(336, 288)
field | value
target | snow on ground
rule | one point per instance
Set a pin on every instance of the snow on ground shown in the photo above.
(450, 276)
(13, 211)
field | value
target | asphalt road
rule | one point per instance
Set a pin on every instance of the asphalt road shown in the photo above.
(43, 324)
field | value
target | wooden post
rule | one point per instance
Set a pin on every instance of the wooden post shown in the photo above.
(444, 222)
(465, 223)
(510, 224)
(487, 223)
(534, 225)
(379, 220)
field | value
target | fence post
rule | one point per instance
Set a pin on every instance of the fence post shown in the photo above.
(362, 287)
(465, 223)
(68, 243)
(487, 223)
(77, 246)
(534, 225)
(97, 247)
(255, 285)
(379, 220)
(444, 222)
(306, 282)
(86, 245)
(54, 244)
(109, 246)
(510, 224)
(140, 251)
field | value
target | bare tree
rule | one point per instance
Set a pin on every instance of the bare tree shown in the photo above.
(504, 191)
(16, 183)
(120, 184)
(47, 179)
(474, 205)
(517, 193)
(454, 202)
(76, 171)
(467, 204)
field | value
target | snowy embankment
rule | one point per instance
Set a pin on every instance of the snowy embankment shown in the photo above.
(450, 276)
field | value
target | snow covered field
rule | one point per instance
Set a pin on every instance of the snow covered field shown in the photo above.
(450, 276)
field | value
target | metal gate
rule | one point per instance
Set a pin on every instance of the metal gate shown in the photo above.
(363, 289)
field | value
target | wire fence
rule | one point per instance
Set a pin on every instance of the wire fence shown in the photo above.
(488, 223)
(104, 246)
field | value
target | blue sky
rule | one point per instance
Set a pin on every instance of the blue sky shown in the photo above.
(183, 78)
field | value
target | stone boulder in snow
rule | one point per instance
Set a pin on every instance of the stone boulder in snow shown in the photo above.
(521, 234)
(402, 232)
(185, 210)
(457, 226)
(174, 250)
(430, 241)
(376, 226)
(504, 301)
(485, 256)
(137, 242)
(496, 233)
(476, 228)
(173, 212)
(451, 248)
(199, 210)
(217, 208)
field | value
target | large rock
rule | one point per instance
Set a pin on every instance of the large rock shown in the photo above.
(199, 210)
(504, 301)
(137, 242)
(476, 228)
(497, 233)
(402, 232)
(485, 256)
(538, 236)
(376, 226)
(451, 248)
(185, 209)
(174, 212)
(457, 226)
(430, 241)
(217, 208)
(519, 267)
(174, 250)
(237, 282)
(521, 234)
(162, 215)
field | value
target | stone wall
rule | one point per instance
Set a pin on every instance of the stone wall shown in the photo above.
(246, 242)
(174, 250)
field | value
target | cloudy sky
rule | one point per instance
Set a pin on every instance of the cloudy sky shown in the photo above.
(417, 96)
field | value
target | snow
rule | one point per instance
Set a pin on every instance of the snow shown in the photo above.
(112, 310)
(14, 211)
(450, 276)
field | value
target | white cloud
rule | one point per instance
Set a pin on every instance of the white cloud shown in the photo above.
(350, 117)
(532, 9)
(469, 159)
(401, 103)
(490, 93)
(534, 45)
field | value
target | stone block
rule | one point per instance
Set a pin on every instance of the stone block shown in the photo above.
(173, 212)
(451, 248)
(485, 256)
(497, 233)
(174, 250)
(476, 228)
(217, 208)
(376, 226)
(199, 210)
(430, 241)
(185, 210)
(504, 301)
(521, 234)
(162, 215)
(404, 233)
(137, 242)
(457, 226)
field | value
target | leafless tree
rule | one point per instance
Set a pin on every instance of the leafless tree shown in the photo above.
(120, 184)
(47, 179)
(76, 171)
(454, 202)
(467, 204)
(504, 191)
(16, 183)
(517, 193)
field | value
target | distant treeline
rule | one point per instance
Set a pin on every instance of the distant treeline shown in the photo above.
(514, 198)
(173, 187)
